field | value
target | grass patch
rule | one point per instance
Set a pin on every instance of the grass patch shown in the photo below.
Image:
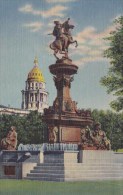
(120, 150)
(25, 187)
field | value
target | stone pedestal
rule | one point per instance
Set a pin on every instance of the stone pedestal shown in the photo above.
(63, 118)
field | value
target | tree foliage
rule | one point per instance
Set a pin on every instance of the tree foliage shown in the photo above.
(114, 80)
(112, 124)
(30, 129)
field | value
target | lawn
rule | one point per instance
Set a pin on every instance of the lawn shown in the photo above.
(120, 150)
(25, 187)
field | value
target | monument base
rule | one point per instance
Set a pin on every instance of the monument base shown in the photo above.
(61, 165)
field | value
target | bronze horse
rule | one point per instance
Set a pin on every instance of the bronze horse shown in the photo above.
(61, 44)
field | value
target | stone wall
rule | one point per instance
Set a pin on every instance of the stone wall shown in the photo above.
(16, 164)
(96, 156)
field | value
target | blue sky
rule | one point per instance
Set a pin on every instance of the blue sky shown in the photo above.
(24, 26)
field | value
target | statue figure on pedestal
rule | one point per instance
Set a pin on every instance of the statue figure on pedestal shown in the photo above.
(53, 134)
(86, 137)
(63, 38)
(10, 141)
(95, 139)
(99, 138)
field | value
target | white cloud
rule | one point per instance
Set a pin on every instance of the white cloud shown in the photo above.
(83, 61)
(33, 26)
(87, 33)
(60, 1)
(57, 10)
(91, 44)
(91, 35)
(26, 9)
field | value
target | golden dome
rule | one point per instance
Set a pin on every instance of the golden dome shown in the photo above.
(35, 74)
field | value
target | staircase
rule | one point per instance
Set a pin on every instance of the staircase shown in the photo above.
(65, 167)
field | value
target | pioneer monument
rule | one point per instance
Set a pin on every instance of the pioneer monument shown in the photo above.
(66, 123)
(77, 148)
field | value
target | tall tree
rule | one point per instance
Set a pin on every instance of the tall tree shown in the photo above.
(114, 80)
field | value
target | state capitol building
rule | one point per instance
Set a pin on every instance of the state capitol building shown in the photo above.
(34, 96)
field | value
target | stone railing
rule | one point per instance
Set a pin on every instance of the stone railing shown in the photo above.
(48, 147)
(61, 147)
(30, 147)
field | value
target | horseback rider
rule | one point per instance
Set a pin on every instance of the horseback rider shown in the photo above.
(57, 32)
(63, 38)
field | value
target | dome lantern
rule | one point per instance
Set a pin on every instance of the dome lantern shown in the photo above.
(36, 61)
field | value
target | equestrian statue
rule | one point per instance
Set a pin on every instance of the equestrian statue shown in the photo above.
(63, 38)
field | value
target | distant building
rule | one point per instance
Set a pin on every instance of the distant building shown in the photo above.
(35, 96)
(12, 111)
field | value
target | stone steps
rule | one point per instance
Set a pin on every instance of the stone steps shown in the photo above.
(59, 179)
(82, 172)
(74, 171)
(57, 173)
(91, 178)
(62, 168)
(77, 167)
(46, 179)
(67, 174)
(80, 164)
